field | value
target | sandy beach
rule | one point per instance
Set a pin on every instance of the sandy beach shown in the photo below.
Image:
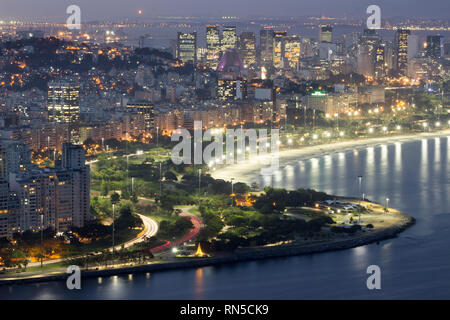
(248, 170)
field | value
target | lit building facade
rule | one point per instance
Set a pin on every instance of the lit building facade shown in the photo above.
(187, 47)
(402, 51)
(325, 34)
(63, 101)
(229, 38)
(247, 48)
(212, 46)
(266, 46)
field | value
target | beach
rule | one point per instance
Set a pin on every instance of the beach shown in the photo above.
(248, 171)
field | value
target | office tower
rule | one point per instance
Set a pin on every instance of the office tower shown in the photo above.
(212, 46)
(292, 52)
(187, 47)
(434, 46)
(368, 44)
(413, 46)
(326, 34)
(278, 48)
(266, 46)
(402, 51)
(229, 38)
(226, 87)
(380, 63)
(63, 102)
(447, 50)
(247, 48)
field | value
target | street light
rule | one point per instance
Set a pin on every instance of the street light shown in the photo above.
(232, 192)
(199, 185)
(113, 207)
(42, 239)
(157, 140)
(359, 196)
(387, 204)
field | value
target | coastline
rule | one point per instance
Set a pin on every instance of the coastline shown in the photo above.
(241, 255)
(259, 253)
(243, 172)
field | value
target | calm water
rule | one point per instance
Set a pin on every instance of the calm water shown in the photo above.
(416, 265)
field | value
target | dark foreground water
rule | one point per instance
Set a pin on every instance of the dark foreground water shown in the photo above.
(413, 175)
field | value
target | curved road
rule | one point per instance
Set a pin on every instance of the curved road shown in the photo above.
(150, 230)
(197, 223)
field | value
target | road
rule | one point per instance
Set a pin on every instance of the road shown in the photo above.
(150, 230)
(196, 221)
(115, 157)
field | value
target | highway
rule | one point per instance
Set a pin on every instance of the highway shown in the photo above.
(150, 230)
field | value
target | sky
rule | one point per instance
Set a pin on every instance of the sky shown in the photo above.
(106, 9)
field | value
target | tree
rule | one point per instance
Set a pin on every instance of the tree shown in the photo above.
(104, 188)
(169, 175)
(115, 198)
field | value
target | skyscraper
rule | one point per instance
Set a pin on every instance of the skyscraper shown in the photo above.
(380, 62)
(434, 46)
(292, 52)
(325, 34)
(278, 48)
(402, 51)
(247, 48)
(266, 46)
(229, 38)
(212, 46)
(187, 47)
(63, 103)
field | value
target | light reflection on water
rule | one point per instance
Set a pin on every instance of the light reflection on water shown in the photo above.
(416, 264)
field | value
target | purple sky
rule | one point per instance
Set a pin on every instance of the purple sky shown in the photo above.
(104, 9)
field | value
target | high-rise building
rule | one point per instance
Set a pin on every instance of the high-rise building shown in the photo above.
(434, 46)
(266, 46)
(247, 48)
(402, 51)
(63, 102)
(326, 34)
(212, 46)
(278, 48)
(292, 52)
(380, 62)
(413, 46)
(146, 110)
(229, 38)
(60, 196)
(368, 44)
(15, 157)
(187, 47)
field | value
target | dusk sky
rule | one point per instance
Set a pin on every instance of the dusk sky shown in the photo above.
(104, 9)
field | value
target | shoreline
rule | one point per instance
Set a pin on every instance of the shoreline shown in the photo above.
(240, 255)
(268, 252)
(244, 172)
